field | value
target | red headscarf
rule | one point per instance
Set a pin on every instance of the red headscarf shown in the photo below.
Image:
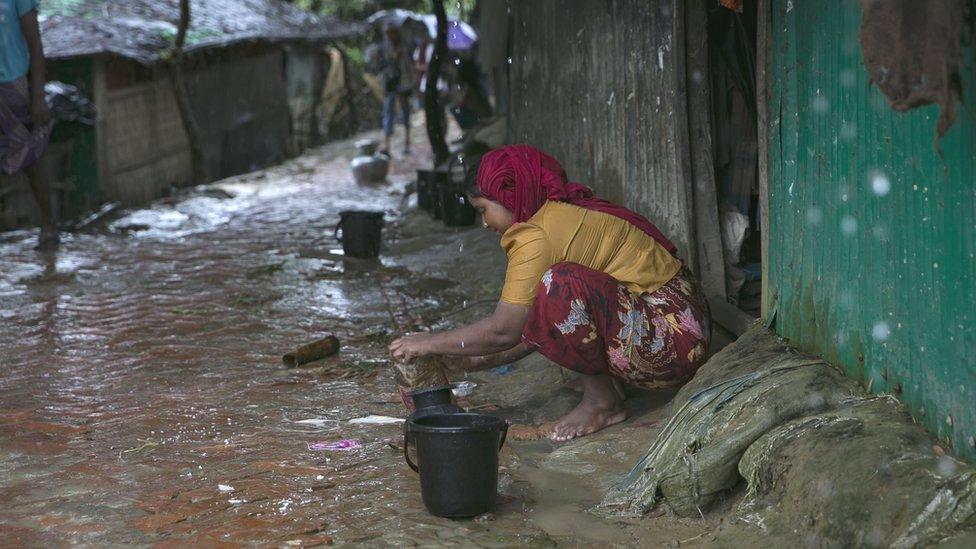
(522, 178)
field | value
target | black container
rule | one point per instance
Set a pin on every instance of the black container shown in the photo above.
(425, 189)
(457, 211)
(439, 179)
(458, 462)
(362, 232)
(427, 402)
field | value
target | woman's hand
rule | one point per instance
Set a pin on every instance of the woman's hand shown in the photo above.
(410, 346)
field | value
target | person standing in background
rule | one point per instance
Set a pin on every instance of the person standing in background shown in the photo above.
(398, 83)
(25, 118)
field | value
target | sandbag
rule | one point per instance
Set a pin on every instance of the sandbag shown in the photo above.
(864, 475)
(744, 391)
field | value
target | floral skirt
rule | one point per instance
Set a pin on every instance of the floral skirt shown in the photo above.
(587, 321)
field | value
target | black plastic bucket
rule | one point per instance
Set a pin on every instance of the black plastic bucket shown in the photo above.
(458, 455)
(425, 189)
(439, 180)
(429, 402)
(362, 232)
(457, 211)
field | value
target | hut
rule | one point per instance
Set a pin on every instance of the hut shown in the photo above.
(254, 69)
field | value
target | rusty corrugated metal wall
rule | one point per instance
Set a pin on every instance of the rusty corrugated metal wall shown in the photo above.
(871, 242)
(600, 86)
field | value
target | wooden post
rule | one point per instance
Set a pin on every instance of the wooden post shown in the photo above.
(198, 165)
(432, 110)
(350, 93)
(763, 39)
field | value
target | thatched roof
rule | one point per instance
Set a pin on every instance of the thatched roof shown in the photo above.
(143, 30)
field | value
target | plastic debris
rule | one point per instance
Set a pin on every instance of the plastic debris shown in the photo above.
(502, 370)
(463, 388)
(337, 446)
(318, 422)
(225, 488)
(377, 420)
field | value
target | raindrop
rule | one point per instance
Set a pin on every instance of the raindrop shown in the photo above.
(880, 185)
(820, 104)
(845, 298)
(464, 304)
(816, 401)
(462, 344)
(880, 331)
(814, 216)
(509, 60)
(457, 61)
(848, 78)
(461, 247)
(848, 225)
(848, 131)
(696, 76)
(460, 200)
(946, 466)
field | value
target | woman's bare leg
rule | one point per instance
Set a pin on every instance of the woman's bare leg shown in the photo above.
(600, 407)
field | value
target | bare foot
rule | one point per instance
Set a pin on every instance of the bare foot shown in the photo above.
(600, 407)
(577, 385)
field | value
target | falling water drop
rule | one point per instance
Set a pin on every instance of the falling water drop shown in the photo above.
(880, 331)
(880, 184)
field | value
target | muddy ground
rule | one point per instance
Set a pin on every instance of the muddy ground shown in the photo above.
(143, 400)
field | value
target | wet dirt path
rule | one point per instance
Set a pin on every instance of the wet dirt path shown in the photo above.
(143, 401)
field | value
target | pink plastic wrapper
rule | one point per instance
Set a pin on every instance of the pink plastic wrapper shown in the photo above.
(337, 446)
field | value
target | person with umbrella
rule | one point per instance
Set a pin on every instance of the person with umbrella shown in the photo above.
(397, 70)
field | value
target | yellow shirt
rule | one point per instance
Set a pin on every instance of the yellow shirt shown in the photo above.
(560, 231)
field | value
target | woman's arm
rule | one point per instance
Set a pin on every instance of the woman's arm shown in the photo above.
(40, 113)
(499, 332)
(487, 362)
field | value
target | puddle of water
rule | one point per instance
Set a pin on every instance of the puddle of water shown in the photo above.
(142, 372)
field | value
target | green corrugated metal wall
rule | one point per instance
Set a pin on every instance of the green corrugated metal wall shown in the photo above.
(871, 239)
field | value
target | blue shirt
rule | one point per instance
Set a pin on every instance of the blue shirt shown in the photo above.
(14, 57)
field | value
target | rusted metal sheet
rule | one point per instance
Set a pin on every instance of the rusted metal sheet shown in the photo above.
(600, 86)
(872, 262)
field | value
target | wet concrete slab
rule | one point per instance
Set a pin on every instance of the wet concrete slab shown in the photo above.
(143, 400)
